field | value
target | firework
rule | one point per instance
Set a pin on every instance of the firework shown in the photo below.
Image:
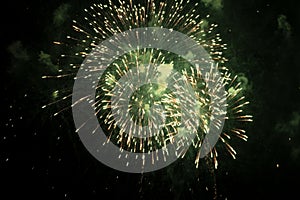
(140, 99)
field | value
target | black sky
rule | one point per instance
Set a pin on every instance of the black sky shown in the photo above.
(38, 158)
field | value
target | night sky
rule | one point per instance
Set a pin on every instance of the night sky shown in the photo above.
(41, 156)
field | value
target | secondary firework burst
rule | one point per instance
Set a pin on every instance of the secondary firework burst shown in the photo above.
(153, 105)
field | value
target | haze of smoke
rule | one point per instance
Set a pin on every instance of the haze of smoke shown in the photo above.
(214, 4)
(284, 25)
(61, 14)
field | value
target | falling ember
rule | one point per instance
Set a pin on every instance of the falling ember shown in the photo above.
(153, 105)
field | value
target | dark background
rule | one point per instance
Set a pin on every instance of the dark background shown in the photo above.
(41, 158)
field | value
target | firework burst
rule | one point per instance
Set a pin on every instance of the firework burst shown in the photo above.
(140, 101)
